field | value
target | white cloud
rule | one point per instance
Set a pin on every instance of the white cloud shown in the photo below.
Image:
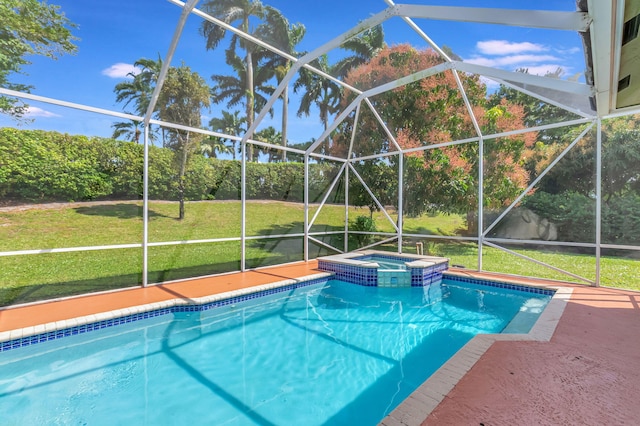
(504, 47)
(511, 60)
(120, 70)
(534, 57)
(480, 60)
(569, 51)
(33, 112)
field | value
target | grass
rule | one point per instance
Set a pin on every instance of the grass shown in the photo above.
(617, 272)
(26, 278)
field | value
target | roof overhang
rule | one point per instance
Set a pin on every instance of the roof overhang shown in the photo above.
(613, 68)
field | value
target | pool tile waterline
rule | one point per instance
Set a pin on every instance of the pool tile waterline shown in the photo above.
(362, 268)
(280, 287)
(15, 343)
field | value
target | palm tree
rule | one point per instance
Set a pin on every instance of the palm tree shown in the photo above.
(233, 88)
(272, 136)
(364, 47)
(212, 146)
(229, 124)
(324, 93)
(138, 91)
(236, 11)
(279, 33)
(140, 88)
(130, 130)
(318, 91)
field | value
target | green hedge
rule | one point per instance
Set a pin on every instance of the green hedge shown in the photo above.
(37, 166)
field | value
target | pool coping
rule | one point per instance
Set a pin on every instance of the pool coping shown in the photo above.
(351, 259)
(360, 267)
(55, 326)
(421, 402)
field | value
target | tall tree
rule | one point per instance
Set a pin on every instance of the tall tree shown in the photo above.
(363, 47)
(29, 27)
(130, 130)
(318, 91)
(233, 88)
(432, 111)
(183, 96)
(552, 141)
(236, 12)
(230, 124)
(272, 136)
(620, 157)
(212, 146)
(137, 92)
(285, 36)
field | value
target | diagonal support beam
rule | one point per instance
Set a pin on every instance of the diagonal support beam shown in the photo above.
(519, 77)
(538, 262)
(186, 10)
(326, 196)
(353, 131)
(536, 180)
(314, 54)
(383, 124)
(339, 119)
(325, 245)
(408, 79)
(380, 206)
(261, 43)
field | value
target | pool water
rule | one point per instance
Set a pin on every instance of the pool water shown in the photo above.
(386, 263)
(330, 353)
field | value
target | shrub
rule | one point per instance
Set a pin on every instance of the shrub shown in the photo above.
(363, 224)
(51, 166)
(575, 215)
(39, 165)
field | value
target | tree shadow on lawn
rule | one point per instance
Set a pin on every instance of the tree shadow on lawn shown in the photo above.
(120, 210)
(419, 230)
(272, 251)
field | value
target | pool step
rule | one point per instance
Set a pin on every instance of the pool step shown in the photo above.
(394, 278)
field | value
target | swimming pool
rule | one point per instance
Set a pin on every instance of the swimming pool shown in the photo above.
(329, 352)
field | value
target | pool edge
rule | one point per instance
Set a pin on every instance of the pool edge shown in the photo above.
(56, 326)
(421, 402)
(417, 406)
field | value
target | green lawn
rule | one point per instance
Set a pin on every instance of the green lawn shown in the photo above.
(34, 277)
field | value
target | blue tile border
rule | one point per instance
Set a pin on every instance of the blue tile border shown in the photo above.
(385, 256)
(368, 277)
(498, 284)
(425, 275)
(85, 328)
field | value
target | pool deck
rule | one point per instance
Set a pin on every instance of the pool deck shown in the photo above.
(586, 374)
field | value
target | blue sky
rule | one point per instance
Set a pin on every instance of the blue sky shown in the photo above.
(113, 34)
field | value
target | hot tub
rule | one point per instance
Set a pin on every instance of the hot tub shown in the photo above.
(385, 269)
